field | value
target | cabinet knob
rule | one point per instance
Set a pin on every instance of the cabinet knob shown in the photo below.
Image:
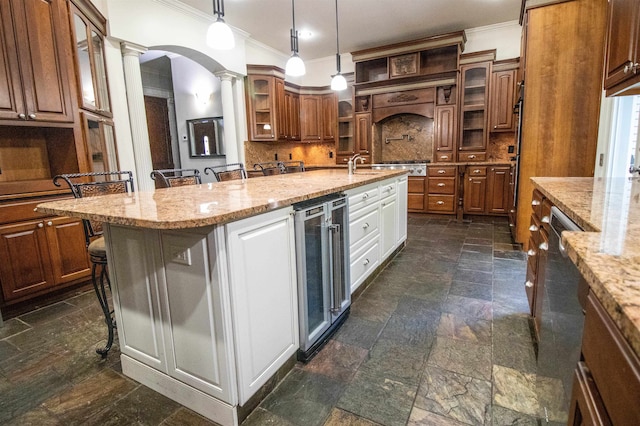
(441, 185)
(544, 246)
(535, 202)
(32, 116)
(495, 127)
(365, 226)
(545, 219)
(440, 203)
(366, 262)
(628, 67)
(472, 156)
(49, 223)
(22, 116)
(41, 225)
(531, 252)
(476, 171)
(365, 196)
(533, 228)
(528, 284)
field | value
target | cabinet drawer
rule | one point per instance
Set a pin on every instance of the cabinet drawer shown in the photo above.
(442, 186)
(441, 203)
(362, 199)
(23, 210)
(545, 213)
(613, 364)
(447, 171)
(363, 226)
(416, 185)
(536, 202)
(472, 156)
(388, 188)
(477, 171)
(587, 407)
(444, 157)
(363, 263)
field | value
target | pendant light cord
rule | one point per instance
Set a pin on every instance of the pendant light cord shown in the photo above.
(337, 40)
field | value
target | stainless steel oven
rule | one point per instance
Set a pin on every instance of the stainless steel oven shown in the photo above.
(322, 256)
(561, 323)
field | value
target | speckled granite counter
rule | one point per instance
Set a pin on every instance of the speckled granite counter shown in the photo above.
(215, 203)
(608, 255)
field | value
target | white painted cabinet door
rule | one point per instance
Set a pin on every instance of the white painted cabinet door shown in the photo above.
(388, 225)
(262, 268)
(134, 284)
(403, 183)
(197, 332)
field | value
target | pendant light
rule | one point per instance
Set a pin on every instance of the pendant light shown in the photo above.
(338, 82)
(219, 35)
(295, 66)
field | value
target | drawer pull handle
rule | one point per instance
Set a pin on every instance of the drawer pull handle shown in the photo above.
(472, 156)
(476, 171)
(535, 202)
(444, 157)
(545, 219)
(366, 262)
(440, 203)
(41, 225)
(544, 246)
(366, 225)
(441, 171)
(528, 284)
(533, 228)
(531, 252)
(441, 185)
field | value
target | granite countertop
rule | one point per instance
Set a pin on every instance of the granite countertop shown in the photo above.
(214, 203)
(608, 254)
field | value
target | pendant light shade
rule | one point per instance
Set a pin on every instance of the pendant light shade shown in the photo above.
(219, 35)
(338, 82)
(295, 66)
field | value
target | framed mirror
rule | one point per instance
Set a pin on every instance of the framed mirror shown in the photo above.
(206, 137)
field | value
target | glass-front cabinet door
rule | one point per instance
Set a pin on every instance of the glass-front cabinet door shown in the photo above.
(89, 55)
(101, 143)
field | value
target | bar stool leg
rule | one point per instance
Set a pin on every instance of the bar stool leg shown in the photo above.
(99, 287)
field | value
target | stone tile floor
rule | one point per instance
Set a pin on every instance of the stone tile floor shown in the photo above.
(441, 337)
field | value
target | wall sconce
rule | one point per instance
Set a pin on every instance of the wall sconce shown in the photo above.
(203, 97)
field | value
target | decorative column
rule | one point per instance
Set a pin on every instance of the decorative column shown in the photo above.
(229, 115)
(241, 116)
(137, 115)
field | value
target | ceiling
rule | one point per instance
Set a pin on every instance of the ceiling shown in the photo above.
(362, 23)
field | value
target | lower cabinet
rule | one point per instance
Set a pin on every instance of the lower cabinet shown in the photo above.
(377, 225)
(40, 256)
(486, 190)
(206, 315)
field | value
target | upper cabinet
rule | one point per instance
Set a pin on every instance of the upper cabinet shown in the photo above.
(503, 96)
(89, 29)
(35, 69)
(474, 106)
(261, 103)
(622, 71)
(417, 59)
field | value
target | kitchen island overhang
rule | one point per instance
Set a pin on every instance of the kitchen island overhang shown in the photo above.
(204, 281)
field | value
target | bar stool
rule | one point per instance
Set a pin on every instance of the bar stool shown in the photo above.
(225, 172)
(293, 166)
(105, 183)
(176, 177)
(270, 168)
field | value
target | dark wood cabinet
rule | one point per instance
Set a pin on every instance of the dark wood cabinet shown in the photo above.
(475, 188)
(502, 100)
(441, 189)
(363, 134)
(35, 73)
(311, 118)
(40, 255)
(292, 113)
(329, 117)
(587, 408)
(474, 102)
(622, 70)
(261, 103)
(444, 132)
(282, 121)
(416, 194)
(498, 180)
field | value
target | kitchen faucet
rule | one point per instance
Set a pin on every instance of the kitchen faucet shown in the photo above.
(352, 162)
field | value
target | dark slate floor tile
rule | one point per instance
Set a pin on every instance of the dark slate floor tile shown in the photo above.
(186, 417)
(503, 416)
(36, 417)
(359, 332)
(423, 417)
(515, 354)
(433, 293)
(395, 361)
(304, 398)
(12, 327)
(473, 265)
(472, 290)
(337, 360)
(474, 256)
(49, 313)
(146, 406)
(466, 306)
(7, 350)
(471, 276)
(464, 328)
(512, 255)
(342, 418)
(463, 357)
(477, 248)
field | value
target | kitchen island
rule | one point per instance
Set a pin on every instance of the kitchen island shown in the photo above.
(204, 278)
(607, 379)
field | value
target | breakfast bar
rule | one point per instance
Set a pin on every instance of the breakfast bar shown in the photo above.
(204, 278)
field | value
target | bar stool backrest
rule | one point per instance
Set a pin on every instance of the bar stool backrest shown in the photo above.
(176, 177)
(270, 168)
(225, 172)
(105, 183)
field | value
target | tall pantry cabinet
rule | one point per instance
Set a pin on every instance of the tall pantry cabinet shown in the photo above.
(46, 121)
(564, 46)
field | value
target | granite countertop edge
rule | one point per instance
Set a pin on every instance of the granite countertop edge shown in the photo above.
(613, 279)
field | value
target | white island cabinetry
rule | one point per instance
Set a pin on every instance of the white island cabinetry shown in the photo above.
(185, 330)
(377, 225)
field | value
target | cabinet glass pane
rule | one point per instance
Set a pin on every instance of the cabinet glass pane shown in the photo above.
(315, 289)
(110, 146)
(84, 62)
(101, 73)
(96, 147)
